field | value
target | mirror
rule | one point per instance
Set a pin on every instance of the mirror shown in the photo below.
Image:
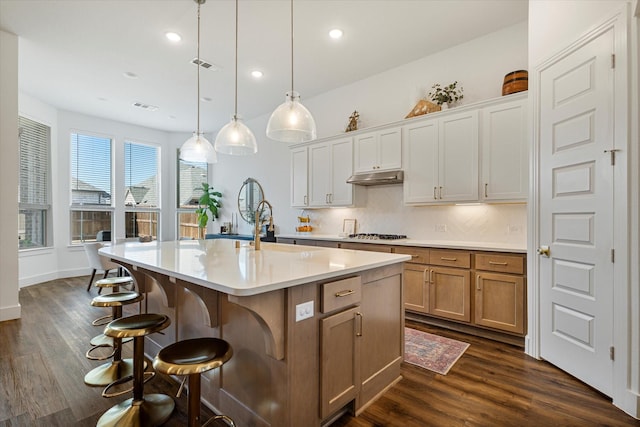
(250, 195)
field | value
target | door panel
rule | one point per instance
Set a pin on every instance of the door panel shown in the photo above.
(576, 212)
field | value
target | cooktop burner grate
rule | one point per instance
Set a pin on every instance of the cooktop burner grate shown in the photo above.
(376, 236)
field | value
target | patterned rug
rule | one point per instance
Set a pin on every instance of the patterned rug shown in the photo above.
(432, 352)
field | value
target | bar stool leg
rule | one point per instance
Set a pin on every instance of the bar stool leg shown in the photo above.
(141, 410)
(193, 410)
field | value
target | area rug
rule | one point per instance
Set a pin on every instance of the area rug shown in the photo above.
(433, 352)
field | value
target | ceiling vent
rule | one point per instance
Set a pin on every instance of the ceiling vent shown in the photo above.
(146, 106)
(205, 64)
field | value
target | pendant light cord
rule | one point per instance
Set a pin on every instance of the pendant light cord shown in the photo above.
(291, 49)
(235, 109)
(198, 68)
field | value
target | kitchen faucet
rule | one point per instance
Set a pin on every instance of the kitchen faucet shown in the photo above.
(259, 224)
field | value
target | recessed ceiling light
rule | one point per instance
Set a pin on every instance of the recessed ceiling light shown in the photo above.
(173, 37)
(335, 34)
(130, 75)
(256, 74)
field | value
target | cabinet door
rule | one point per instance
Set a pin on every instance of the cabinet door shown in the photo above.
(341, 193)
(339, 363)
(416, 290)
(450, 293)
(505, 158)
(319, 174)
(299, 177)
(499, 301)
(366, 152)
(458, 155)
(390, 149)
(421, 162)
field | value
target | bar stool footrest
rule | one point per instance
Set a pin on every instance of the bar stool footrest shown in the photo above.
(228, 421)
(91, 357)
(105, 393)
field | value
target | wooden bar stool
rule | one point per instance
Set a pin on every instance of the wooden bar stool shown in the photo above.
(140, 410)
(118, 368)
(192, 357)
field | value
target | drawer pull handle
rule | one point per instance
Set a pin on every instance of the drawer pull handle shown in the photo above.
(359, 332)
(478, 286)
(345, 293)
(415, 256)
(497, 263)
(448, 259)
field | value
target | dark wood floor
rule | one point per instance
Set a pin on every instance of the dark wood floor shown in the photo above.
(42, 366)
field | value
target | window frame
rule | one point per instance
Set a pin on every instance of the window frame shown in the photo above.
(181, 209)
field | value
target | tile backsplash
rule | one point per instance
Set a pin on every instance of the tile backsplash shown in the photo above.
(385, 212)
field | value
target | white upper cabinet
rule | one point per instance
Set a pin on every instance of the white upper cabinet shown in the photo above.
(378, 150)
(441, 159)
(505, 159)
(299, 177)
(330, 165)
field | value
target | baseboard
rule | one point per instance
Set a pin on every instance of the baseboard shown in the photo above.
(10, 313)
(61, 274)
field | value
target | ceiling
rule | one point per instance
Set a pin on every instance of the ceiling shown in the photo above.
(74, 53)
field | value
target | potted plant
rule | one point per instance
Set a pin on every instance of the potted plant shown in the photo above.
(208, 203)
(449, 94)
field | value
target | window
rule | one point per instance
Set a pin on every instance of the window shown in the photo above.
(191, 175)
(34, 184)
(91, 188)
(141, 196)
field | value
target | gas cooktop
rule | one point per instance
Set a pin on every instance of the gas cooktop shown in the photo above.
(376, 236)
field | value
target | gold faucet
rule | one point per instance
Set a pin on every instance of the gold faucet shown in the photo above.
(259, 224)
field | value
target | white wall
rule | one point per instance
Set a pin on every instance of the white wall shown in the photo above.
(9, 303)
(479, 65)
(553, 26)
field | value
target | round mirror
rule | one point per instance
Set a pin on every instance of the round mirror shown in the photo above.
(250, 195)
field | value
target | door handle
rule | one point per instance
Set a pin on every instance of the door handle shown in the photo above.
(544, 251)
(359, 317)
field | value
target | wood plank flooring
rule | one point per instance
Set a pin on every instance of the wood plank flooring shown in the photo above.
(42, 366)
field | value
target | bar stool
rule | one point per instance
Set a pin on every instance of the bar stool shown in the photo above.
(118, 368)
(114, 283)
(192, 357)
(140, 410)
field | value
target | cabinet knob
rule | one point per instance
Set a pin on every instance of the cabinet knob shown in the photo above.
(544, 251)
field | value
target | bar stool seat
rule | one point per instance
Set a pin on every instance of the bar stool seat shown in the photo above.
(114, 282)
(191, 357)
(118, 368)
(140, 410)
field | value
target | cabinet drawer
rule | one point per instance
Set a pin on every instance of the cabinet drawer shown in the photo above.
(450, 258)
(341, 293)
(418, 255)
(500, 263)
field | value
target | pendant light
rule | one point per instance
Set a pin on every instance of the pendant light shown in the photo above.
(235, 137)
(291, 121)
(198, 148)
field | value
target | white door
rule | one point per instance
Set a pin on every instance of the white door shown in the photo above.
(576, 212)
(319, 174)
(299, 177)
(366, 148)
(421, 162)
(390, 154)
(458, 153)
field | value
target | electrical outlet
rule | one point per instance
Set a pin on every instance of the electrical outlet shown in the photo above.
(441, 228)
(304, 310)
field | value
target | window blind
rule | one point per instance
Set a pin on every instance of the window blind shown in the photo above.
(90, 170)
(141, 175)
(34, 162)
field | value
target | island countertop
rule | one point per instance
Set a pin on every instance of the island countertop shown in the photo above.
(241, 271)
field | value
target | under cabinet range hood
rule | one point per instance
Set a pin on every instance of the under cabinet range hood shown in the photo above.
(377, 178)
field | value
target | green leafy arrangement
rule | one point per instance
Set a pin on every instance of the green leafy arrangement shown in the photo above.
(208, 203)
(450, 93)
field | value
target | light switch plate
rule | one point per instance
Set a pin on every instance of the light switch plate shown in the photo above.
(304, 310)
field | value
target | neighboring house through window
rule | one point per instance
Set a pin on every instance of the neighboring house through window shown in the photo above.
(91, 188)
(142, 191)
(191, 175)
(34, 191)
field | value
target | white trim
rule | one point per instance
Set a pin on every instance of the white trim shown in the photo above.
(10, 313)
(47, 277)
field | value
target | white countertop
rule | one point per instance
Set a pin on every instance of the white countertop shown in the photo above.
(445, 244)
(217, 264)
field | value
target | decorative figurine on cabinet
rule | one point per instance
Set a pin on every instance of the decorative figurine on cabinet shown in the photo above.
(353, 122)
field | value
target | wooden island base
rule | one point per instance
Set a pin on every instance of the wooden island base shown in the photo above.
(286, 372)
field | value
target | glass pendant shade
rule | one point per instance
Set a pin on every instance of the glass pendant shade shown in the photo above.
(198, 148)
(291, 121)
(236, 138)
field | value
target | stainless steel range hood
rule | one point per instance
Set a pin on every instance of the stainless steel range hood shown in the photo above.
(377, 178)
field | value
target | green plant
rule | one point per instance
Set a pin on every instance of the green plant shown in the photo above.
(208, 202)
(449, 94)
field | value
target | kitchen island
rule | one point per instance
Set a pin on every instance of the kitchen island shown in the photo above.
(315, 331)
